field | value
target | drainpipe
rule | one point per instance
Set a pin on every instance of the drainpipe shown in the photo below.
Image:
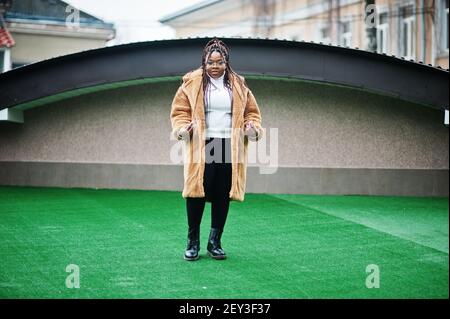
(424, 47)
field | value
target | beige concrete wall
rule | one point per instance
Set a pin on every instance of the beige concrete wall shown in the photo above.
(318, 126)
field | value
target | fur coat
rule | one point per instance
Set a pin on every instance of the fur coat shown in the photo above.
(188, 105)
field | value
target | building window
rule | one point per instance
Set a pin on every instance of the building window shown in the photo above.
(324, 34)
(443, 25)
(346, 35)
(446, 25)
(382, 33)
(407, 32)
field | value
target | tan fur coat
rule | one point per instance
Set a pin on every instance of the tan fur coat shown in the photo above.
(188, 105)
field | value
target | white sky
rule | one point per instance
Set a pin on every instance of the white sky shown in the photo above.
(135, 20)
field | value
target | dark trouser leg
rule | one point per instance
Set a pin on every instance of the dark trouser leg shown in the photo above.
(221, 199)
(195, 208)
(220, 204)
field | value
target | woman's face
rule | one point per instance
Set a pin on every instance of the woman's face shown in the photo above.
(215, 65)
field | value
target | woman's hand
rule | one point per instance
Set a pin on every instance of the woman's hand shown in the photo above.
(250, 130)
(186, 131)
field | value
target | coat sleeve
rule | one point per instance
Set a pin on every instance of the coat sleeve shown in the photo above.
(252, 113)
(180, 114)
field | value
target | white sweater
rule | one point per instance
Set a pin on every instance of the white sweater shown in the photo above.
(218, 112)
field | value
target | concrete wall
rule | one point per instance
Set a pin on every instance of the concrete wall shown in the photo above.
(331, 140)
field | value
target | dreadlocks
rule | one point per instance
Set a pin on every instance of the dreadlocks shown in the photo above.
(216, 45)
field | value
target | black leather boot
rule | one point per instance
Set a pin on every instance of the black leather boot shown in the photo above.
(193, 244)
(214, 247)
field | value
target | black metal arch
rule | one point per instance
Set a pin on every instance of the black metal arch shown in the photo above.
(374, 72)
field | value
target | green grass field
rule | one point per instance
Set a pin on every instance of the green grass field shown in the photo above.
(129, 244)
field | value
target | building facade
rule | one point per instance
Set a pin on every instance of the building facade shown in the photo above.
(413, 29)
(43, 29)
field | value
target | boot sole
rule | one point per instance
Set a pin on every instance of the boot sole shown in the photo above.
(217, 257)
(191, 259)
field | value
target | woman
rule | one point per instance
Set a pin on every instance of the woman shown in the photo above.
(216, 114)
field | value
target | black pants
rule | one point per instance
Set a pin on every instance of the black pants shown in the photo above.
(216, 183)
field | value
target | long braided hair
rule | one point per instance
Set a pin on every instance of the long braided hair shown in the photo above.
(216, 45)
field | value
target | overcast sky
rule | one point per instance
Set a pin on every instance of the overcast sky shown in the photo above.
(135, 20)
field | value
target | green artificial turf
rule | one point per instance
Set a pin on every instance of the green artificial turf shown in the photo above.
(130, 243)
